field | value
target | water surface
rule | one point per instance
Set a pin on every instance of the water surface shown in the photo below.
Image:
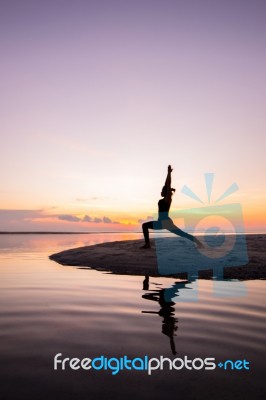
(47, 309)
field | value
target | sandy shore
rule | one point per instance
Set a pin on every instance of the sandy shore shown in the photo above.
(126, 257)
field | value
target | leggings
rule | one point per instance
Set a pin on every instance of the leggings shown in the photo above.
(164, 224)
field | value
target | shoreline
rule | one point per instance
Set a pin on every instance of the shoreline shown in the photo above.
(125, 257)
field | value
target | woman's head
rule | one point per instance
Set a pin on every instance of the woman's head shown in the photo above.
(164, 191)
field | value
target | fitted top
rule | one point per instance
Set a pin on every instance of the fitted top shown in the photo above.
(163, 208)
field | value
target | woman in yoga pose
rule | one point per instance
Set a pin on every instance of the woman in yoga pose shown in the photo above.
(164, 221)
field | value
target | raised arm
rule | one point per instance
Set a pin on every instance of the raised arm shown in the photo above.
(168, 184)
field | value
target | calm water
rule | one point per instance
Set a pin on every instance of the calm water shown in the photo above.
(47, 309)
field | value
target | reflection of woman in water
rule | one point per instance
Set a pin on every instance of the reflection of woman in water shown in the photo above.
(167, 311)
(165, 298)
(164, 222)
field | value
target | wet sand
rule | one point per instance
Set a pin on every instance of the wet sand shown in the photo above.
(126, 257)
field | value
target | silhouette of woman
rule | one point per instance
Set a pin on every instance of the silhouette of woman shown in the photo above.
(164, 221)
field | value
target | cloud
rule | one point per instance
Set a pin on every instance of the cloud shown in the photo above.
(40, 220)
(69, 217)
(20, 213)
(82, 199)
(107, 220)
(148, 218)
(24, 220)
(87, 218)
(10, 218)
(92, 198)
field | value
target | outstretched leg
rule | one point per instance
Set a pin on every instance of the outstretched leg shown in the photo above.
(177, 231)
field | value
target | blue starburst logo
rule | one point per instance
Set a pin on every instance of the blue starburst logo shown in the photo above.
(220, 230)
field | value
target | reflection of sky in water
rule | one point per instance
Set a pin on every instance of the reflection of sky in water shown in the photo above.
(47, 308)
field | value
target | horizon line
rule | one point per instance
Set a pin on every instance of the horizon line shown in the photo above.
(100, 232)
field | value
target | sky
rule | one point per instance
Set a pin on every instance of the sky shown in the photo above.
(98, 97)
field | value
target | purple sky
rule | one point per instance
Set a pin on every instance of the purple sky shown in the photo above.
(98, 97)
